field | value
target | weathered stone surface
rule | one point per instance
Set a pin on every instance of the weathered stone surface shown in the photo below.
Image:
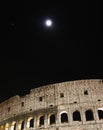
(62, 106)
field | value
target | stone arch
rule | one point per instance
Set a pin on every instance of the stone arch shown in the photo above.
(51, 119)
(2, 127)
(89, 115)
(64, 117)
(13, 125)
(21, 125)
(76, 116)
(40, 121)
(7, 126)
(100, 113)
(30, 122)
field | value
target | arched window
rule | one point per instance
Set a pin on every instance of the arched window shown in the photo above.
(13, 126)
(52, 119)
(22, 125)
(7, 126)
(64, 117)
(2, 127)
(89, 115)
(41, 121)
(100, 114)
(31, 123)
(76, 116)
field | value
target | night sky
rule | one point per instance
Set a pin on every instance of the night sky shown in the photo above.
(32, 55)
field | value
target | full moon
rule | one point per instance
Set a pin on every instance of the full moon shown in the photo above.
(48, 23)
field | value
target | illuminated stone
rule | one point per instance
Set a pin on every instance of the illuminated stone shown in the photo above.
(55, 112)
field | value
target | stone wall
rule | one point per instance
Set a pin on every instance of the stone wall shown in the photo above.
(63, 106)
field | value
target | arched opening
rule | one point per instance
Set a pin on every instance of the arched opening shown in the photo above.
(13, 126)
(7, 126)
(30, 122)
(76, 116)
(64, 118)
(22, 125)
(89, 115)
(2, 127)
(52, 119)
(100, 114)
(41, 121)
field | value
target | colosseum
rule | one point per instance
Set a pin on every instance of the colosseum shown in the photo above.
(72, 105)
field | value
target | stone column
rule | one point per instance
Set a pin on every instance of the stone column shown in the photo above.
(45, 121)
(57, 118)
(96, 114)
(16, 125)
(35, 122)
(83, 116)
(25, 123)
(8, 128)
(70, 115)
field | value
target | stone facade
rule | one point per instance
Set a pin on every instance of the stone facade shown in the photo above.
(73, 105)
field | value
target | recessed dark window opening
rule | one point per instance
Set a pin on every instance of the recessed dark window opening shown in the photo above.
(41, 99)
(41, 121)
(85, 92)
(64, 118)
(51, 105)
(52, 119)
(76, 116)
(22, 104)
(31, 123)
(30, 109)
(100, 114)
(89, 115)
(22, 125)
(61, 95)
(9, 109)
(14, 126)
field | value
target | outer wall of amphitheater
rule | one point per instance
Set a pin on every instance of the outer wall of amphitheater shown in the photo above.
(73, 105)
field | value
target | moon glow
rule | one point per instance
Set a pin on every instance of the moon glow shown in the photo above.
(48, 23)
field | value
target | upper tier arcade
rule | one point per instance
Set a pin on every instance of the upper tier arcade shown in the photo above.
(75, 99)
